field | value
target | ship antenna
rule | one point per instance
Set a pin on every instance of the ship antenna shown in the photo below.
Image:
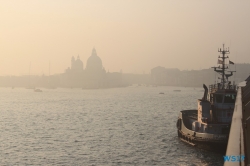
(223, 67)
(235, 71)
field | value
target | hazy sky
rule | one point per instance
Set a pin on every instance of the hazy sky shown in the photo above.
(132, 35)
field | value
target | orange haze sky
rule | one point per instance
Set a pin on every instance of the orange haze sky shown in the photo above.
(129, 35)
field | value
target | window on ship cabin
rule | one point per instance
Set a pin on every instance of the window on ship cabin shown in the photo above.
(229, 98)
(219, 98)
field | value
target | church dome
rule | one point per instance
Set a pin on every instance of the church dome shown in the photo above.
(79, 62)
(76, 64)
(94, 62)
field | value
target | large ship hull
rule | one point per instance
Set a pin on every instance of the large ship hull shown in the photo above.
(207, 141)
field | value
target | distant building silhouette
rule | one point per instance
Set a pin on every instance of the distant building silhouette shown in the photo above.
(76, 65)
(165, 76)
(94, 63)
(93, 76)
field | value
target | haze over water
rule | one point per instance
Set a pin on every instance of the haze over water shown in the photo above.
(132, 36)
(120, 126)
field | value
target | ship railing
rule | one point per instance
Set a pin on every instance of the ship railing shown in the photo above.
(218, 86)
(214, 87)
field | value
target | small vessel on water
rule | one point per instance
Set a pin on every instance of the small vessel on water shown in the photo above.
(177, 90)
(38, 90)
(209, 125)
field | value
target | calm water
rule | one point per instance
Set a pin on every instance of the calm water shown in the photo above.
(122, 126)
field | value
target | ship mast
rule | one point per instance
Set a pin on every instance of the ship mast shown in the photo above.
(222, 69)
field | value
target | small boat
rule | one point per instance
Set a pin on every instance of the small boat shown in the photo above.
(37, 90)
(177, 90)
(209, 125)
(161, 93)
